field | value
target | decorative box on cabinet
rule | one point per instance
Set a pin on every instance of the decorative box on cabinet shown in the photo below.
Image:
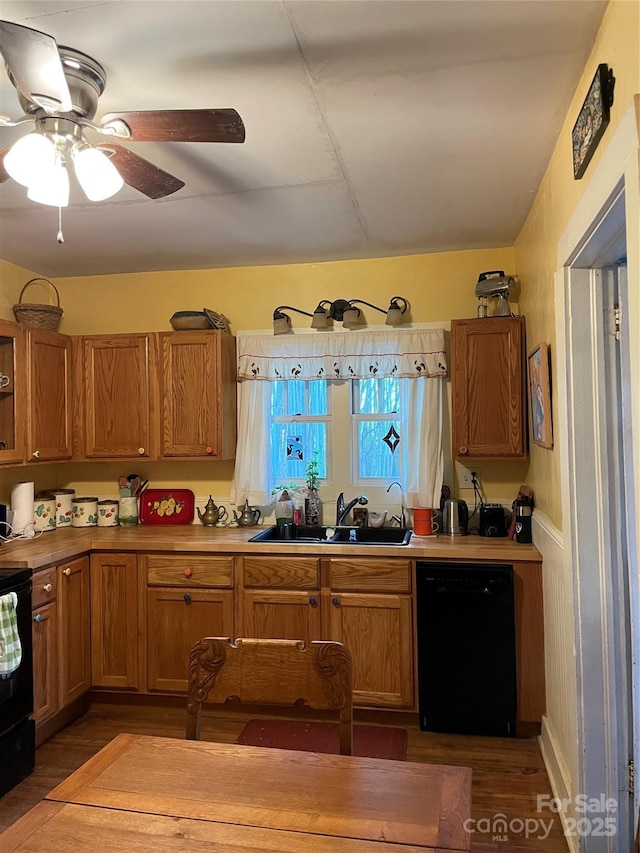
(488, 388)
(198, 394)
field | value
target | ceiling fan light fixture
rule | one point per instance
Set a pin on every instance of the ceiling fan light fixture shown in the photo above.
(31, 157)
(51, 187)
(96, 174)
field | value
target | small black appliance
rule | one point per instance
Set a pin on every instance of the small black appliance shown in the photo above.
(493, 520)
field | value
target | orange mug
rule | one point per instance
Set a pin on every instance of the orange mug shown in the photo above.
(424, 524)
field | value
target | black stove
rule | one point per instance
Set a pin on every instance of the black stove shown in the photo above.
(17, 729)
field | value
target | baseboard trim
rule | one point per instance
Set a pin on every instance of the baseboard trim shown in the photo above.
(62, 719)
(558, 775)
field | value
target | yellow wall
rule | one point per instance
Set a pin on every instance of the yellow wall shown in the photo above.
(439, 287)
(12, 279)
(617, 44)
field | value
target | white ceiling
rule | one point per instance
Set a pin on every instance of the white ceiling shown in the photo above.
(374, 127)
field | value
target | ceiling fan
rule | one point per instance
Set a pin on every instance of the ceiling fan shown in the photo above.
(58, 89)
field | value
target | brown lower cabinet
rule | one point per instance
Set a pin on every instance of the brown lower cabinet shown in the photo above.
(115, 620)
(61, 636)
(176, 619)
(147, 610)
(359, 604)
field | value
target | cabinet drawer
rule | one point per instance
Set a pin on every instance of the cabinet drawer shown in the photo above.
(371, 575)
(188, 570)
(285, 571)
(44, 587)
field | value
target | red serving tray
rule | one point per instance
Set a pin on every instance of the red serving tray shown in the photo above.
(167, 506)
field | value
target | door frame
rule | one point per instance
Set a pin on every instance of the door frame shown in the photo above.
(581, 416)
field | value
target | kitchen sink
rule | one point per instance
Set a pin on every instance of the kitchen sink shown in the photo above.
(372, 535)
(291, 533)
(334, 535)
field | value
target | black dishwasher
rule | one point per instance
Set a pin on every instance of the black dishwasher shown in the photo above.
(466, 649)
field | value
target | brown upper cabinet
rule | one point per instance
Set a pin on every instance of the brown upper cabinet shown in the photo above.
(116, 396)
(49, 418)
(198, 394)
(488, 389)
(13, 391)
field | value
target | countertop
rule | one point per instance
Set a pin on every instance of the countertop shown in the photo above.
(59, 545)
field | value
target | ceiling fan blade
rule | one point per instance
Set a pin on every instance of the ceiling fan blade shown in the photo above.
(180, 125)
(34, 64)
(140, 173)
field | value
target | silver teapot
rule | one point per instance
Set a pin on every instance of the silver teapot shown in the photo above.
(212, 514)
(248, 517)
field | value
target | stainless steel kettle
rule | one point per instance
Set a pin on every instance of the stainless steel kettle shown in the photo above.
(455, 518)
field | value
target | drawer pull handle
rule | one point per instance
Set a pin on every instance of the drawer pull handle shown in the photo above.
(37, 617)
(209, 450)
(464, 450)
(187, 598)
(141, 451)
(66, 572)
(335, 602)
(187, 573)
(36, 454)
(47, 587)
(313, 601)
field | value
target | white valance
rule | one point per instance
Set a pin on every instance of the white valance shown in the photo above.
(405, 353)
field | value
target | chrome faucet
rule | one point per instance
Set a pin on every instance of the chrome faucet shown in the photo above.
(342, 510)
(401, 519)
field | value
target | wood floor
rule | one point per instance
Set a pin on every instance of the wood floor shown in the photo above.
(508, 774)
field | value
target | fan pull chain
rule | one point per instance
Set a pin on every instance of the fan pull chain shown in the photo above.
(60, 234)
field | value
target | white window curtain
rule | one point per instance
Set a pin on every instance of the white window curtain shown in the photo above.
(414, 355)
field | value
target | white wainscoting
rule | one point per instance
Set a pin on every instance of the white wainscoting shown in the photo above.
(558, 740)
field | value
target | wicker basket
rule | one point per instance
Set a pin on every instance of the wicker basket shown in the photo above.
(38, 316)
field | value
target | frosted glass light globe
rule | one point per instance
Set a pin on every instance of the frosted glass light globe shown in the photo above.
(29, 158)
(96, 174)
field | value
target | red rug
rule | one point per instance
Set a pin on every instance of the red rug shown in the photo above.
(369, 741)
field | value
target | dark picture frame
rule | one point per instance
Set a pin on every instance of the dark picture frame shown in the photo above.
(592, 120)
(540, 396)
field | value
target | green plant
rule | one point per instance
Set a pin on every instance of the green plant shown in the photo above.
(313, 471)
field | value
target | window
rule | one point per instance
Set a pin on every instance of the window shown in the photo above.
(355, 426)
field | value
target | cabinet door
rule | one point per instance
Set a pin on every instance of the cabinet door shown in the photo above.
(45, 661)
(114, 621)
(49, 397)
(119, 401)
(13, 392)
(284, 614)
(377, 629)
(488, 388)
(198, 394)
(74, 662)
(177, 619)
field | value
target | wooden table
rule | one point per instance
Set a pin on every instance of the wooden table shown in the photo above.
(149, 794)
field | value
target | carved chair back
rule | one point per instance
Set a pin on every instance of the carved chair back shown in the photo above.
(271, 672)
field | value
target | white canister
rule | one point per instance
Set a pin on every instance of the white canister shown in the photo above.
(85, 512)
(63, 506)
(107, 513)
(44, 511)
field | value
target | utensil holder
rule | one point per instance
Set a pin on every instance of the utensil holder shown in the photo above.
(128, 514)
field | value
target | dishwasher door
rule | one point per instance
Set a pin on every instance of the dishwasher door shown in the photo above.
(466, 649)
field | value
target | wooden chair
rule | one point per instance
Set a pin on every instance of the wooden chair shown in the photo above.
(271, 672)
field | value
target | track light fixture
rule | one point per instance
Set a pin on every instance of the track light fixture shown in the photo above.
(343, 310)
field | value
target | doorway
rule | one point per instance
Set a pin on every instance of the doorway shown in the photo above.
(599, 497)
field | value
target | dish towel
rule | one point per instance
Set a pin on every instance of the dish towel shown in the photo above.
(10, 647)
